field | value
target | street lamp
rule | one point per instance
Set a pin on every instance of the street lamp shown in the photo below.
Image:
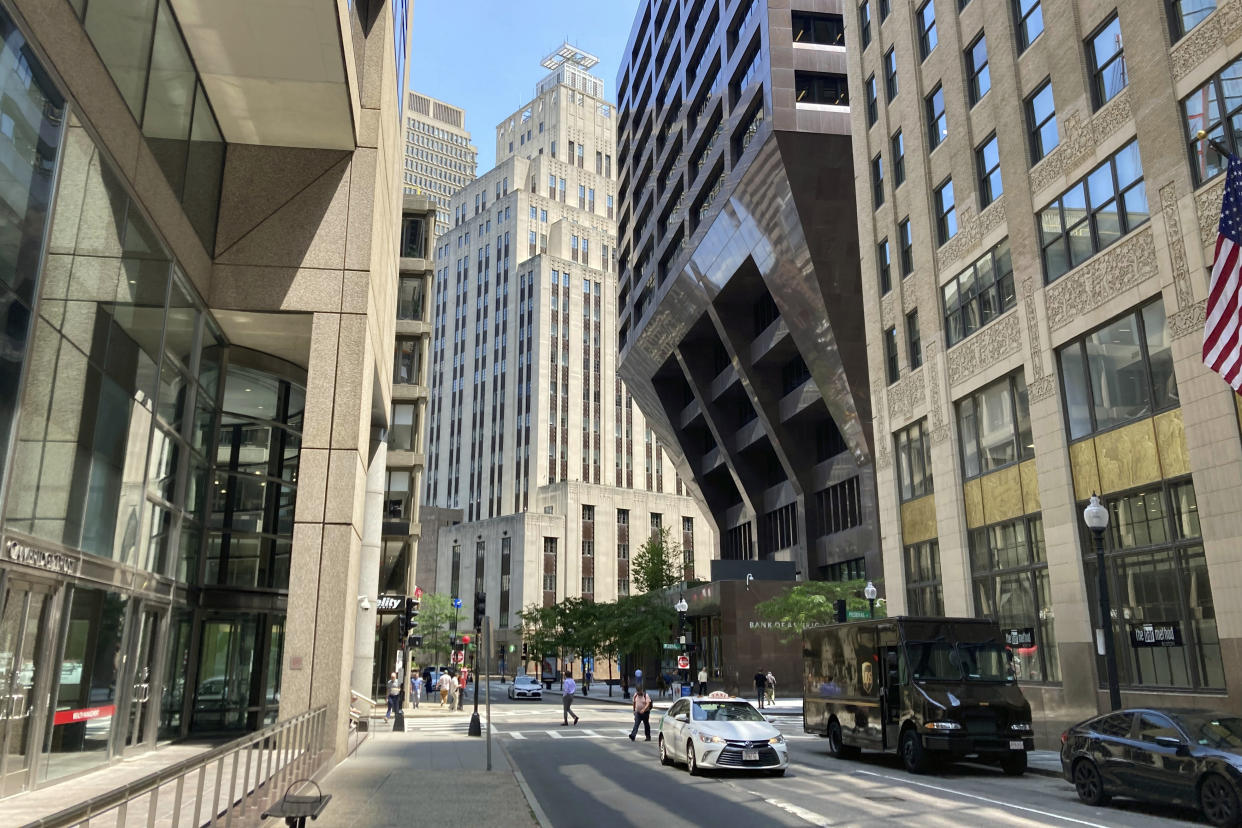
(681, 606)
(870, 593)
(1096, 518)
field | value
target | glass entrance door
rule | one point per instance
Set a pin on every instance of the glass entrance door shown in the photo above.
(23, 638)
(145, 644)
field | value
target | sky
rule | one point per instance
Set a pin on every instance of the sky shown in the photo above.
(483, 55)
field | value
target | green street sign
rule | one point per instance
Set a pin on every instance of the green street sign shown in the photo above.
(857, 615)
(511, 648)
(672, 646)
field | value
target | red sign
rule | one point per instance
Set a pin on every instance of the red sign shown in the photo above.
(85, 714)
(458, 657)
(683, 662)
(418, 592)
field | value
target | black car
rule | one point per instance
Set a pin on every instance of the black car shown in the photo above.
(1184, 757)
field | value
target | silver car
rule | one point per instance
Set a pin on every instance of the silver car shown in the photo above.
(721, 731)
(525, 687)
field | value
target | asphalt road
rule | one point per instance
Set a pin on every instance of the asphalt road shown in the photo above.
(593, 775)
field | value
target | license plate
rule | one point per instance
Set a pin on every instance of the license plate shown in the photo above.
(1016, 744)
(750, 756)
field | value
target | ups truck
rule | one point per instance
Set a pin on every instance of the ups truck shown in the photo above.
(932, 690)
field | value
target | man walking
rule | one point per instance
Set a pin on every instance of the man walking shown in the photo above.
(770, 684)
(568, 687)
(394, 696)
(761, 686)
(703, 680)
(642, 713)
(416, 689)
(443, 686)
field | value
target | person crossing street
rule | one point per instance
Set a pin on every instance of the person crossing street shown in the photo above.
(568, 687)
(642, 713)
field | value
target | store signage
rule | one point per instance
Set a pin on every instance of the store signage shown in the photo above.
(1156, 634)
(41, 558)
(82, 715)
(389, 603)
(1022, 637)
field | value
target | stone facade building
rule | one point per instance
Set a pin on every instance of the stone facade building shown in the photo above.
(1036, 228)
(530, 430)
(439, 157)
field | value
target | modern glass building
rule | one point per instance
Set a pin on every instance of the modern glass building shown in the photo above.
(182, 297)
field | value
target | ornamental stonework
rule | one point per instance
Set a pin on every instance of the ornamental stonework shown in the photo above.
(939, 430)
(1080, 138)
(1177, 245)
(995, 342)
(905, 395)
(1103, 277)
(1041, 384)
(1189, 320)
(882, 457)
(971, 229)
(1207, 207)
(1218, 29)
(886, 311)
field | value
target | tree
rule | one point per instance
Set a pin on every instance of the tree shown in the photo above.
(436, 615)
(657, 564)
(540, 630)
(810, 604)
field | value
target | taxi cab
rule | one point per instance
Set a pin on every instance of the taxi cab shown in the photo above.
(721, 731)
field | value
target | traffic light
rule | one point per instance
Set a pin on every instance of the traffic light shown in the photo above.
(409, 621)
(838, 608)
(416, 641)
(524, 656)
(480, 609)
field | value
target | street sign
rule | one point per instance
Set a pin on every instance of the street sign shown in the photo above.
(458, 657)
(418, 592)
(672, 646)
(857, 615)
(457, 603)
(683, 662)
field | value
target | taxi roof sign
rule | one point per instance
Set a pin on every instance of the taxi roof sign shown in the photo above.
(718, 694)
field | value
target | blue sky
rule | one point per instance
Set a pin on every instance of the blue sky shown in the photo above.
(483, 55)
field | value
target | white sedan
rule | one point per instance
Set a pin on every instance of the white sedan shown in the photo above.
(525, 687)
(721, 731)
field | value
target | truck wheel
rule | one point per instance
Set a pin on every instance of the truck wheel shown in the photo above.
(1014, 763)
(836, 744)
(913, 756)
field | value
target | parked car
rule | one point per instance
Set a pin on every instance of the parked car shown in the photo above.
(526, 687)
(721, 731)
(1181, 757)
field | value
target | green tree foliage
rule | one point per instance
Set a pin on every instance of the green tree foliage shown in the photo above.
(657, 564)
(635, 625)
(810, 603)
(435, 624)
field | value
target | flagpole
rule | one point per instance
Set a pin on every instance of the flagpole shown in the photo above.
(1213, 143)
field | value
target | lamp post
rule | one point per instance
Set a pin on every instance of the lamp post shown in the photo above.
(1096, 518)
(870, 592)
(681, 606)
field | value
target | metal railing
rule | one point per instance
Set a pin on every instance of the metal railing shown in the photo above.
(217, 787)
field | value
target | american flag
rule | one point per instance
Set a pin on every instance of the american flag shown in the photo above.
(1222, 336)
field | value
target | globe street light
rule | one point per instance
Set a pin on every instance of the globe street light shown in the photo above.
(681, 606)
(870, 593)
(1096, 518)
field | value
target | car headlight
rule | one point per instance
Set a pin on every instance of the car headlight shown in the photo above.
(707, 737)
(1023, 726)
(943, 725)
(776, 740)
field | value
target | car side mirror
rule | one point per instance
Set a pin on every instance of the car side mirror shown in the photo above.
(682, 717)
(1173, 742)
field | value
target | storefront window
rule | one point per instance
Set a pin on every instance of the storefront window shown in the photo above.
(1157, 575)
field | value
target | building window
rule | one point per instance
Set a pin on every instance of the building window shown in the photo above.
(623, 515)
(873, 108)
(924, 591)
(987, 161)
(864, 24)
(588, 514)
(854, 569)
(1107, 62)
(978, 79)
(881, 255)
(623, 586)
(946, 212)
(877, 181)
(914, 343)
(506, 575)
(1118, 373)
(778, 529)
(1030, 19)
(410, 297)
(979, 294)
(937, 123)
(1216, 109)
(1009, 570)
(397, 503)
(1041, 121)
(1184, 15)
(994, 424)
(907, 247)
(825, 29)
(890, 74)
(817, 88)
(405, 427)
(899, 159)
(914, 472)
(657, 522)
(1099, 209)
(891, 371)
(926, 17)
(885, 8)
(838, 507)
(588, 549)
(409, 362)
(1158, 574)
(687, 526)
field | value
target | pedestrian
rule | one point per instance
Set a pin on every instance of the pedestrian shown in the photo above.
(461, 688)
(567, 700)
(443, 686)
(642, 714)
(675, 686)
(586, 683)
(662, 685)
(394, 696)
(703, 680)
(769, 682)
(761, 686)
(416, 689)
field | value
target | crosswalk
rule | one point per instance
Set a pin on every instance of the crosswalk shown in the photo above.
(458, 723)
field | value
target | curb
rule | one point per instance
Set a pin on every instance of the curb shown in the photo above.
(535, 808)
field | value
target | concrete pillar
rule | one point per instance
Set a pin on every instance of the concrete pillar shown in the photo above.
(369, 565)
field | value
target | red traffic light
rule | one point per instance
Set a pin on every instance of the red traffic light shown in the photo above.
(465, 639)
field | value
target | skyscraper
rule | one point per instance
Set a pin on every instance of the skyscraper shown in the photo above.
(528, 418)
(439, 157)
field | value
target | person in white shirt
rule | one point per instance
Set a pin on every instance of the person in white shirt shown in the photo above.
(703, 681)
(443, 686)
(567, 700)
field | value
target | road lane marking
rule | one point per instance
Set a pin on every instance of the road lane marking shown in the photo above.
(801, 813)
(516, 734)
(998, 802)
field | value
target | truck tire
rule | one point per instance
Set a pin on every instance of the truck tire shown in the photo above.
(913, 754)
(836, 744)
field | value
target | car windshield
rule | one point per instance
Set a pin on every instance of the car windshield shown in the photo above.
(525, 680)
(1222, 732)
(945, 661)
(725, 712)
